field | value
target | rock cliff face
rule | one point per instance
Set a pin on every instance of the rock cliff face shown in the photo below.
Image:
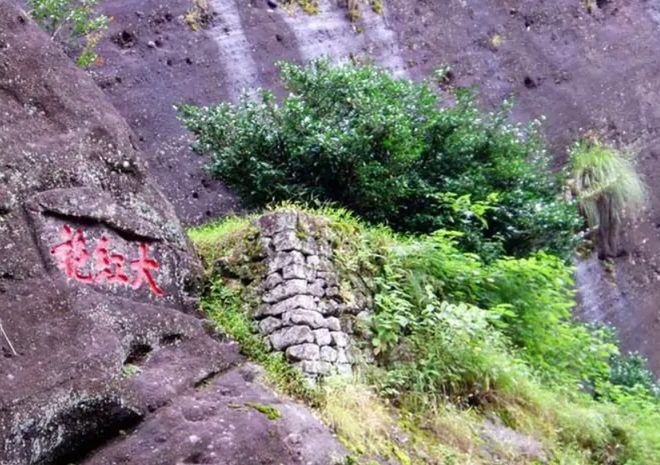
(583, 70)
(103, 359)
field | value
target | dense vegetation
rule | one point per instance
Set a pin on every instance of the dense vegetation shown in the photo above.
(466, 254)
(458, 342)
(384, 148)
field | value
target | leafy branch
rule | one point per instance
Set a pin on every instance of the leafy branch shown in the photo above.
(75, 23)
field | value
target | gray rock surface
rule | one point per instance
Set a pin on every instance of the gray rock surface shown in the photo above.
(322, 337)
(217, 425)
(289, 336)
(303, 352)
(328, 354)
(103, 358)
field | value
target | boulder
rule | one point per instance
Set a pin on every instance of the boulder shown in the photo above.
(104, 358)
(293, 335)
(322, 337)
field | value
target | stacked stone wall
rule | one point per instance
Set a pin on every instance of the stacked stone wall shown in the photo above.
(305, 310)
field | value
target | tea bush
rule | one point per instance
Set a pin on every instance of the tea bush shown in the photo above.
(529, 301)
(385, 149)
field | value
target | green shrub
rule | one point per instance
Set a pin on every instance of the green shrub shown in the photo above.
(609, 191)
(499, 338)
(630, 371)
(383, 148)
(537, 298)
(452, 353)
(75, 23)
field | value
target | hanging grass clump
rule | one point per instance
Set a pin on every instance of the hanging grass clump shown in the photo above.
(609, 190)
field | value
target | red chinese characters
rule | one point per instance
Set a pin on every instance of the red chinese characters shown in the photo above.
(72, 256)
(142, 267)
(110, 266)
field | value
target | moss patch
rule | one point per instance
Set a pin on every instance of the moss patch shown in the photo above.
(269, 412)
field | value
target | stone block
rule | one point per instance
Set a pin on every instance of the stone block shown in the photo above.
(343, 356)
(294, 271)
(339, 339)
(333, 323)
(303, 352)
(286, 241)
(292, 303)
(304, 317)
(285, 290)
(328, 354)
(313, 261)
(322, 337)
(329, 276)
(310, 274)
(317, 288)
(281, 259)
(294, 335)
(273, 280)
(277, 222)
(269, 324)
(332, 291)
(329, 307)
(316, 367)
(308, 246)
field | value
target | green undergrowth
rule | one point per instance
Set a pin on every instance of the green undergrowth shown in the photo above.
(476, 362)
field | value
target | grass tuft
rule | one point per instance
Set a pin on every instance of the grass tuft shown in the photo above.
(609, 190)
